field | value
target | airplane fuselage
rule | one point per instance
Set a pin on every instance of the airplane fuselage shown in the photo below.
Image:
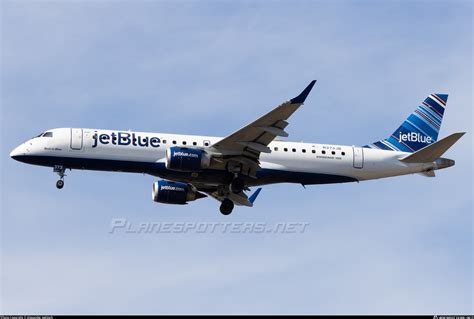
(141, 152)
(193, 167)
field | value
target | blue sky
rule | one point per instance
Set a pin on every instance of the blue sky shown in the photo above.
(401, 245)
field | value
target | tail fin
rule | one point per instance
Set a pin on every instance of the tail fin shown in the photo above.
(420, 129)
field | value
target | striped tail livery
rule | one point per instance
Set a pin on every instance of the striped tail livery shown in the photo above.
(420, 129)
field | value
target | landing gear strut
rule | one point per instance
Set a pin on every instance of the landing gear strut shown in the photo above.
(227, 206)
(237, 185)
(59, 169)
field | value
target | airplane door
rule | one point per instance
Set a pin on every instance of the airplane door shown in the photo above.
(76, 138)
(358, 157)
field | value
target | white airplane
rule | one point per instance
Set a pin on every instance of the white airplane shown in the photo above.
(224, 168)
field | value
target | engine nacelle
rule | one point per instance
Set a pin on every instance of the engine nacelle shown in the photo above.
(174, 193)
(186, 159)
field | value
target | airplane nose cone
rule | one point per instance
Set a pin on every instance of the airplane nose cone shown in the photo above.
(17, 152)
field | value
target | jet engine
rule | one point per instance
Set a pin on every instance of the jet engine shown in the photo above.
(186, 159)
(174, 193)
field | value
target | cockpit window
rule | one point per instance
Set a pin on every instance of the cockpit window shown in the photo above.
(45, 134)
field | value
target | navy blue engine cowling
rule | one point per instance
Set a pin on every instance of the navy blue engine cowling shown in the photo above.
(186, 159)
(174, 193)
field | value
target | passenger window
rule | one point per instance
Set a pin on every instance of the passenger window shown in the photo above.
(194, 143)
(285, 149)
(343, 153)
(304, 151)
(294, 150)
(324, 152)
(184, 142)
(276, 149)
(164, 141)
(206, 144)
(333, 153)
(48, 134)
(174, 142)
(313, 151)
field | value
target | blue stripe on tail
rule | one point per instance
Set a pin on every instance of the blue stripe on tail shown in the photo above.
(420, 129)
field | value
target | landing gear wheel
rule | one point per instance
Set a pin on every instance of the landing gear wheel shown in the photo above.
(237, 185)
(226, 207)
(60, 184)
(59, 169)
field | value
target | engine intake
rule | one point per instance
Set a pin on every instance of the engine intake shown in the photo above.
(174, 193)
(186, 159)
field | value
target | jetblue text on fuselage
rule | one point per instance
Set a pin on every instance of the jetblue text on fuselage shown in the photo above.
(124, 138)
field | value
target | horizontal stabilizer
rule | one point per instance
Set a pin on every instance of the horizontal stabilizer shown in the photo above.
(433, 151)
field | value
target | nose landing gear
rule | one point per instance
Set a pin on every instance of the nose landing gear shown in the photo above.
(59, 169)
(60, 184)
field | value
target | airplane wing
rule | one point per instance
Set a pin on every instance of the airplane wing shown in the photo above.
(246, 144)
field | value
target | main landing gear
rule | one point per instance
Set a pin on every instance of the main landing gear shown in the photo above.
(59, 169)
(237, 185)
(226, 206)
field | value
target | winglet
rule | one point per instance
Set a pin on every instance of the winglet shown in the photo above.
(303, 95)
(253, 197)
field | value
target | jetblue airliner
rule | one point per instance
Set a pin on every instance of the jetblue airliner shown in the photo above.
(192, 167)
